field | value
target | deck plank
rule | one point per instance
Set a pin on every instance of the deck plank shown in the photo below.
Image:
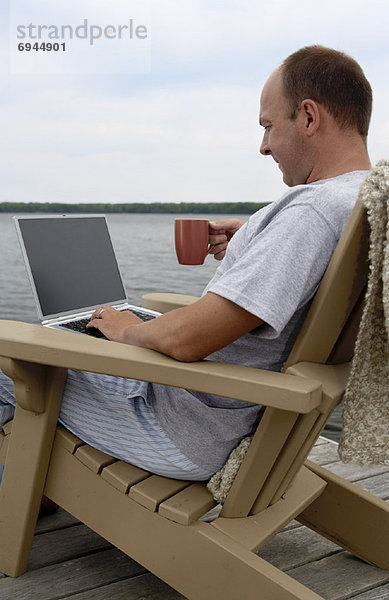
(379, 485)
(354, 472)
(380, 593)
(293, 548)
(70, 577)
(339, 576)
(65, 544)
(142, 587)
(324, 454)
(58, 520)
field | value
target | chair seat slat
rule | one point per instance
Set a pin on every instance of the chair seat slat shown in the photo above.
(4, 440)
(5, 432)
(123, 476)
(68, 440)
(7, 427)
(154, 490)
(187, 506)
(94, 459)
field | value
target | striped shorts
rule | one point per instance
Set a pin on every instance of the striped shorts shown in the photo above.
(113, 415)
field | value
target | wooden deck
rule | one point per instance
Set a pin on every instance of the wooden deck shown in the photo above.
(70, 561)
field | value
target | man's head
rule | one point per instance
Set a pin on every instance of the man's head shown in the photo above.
(334, 80)
(315, 108)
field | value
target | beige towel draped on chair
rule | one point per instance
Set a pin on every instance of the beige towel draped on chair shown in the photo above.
(365, 436)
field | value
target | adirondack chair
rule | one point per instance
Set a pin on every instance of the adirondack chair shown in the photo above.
(155, 520)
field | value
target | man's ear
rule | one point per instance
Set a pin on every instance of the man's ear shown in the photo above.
(310, 114)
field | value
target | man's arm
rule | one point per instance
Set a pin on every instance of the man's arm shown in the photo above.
(187, 334)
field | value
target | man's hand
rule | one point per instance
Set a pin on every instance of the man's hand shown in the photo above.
(112, 322)
(220, 233)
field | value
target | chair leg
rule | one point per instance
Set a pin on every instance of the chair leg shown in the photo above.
(351, 517)
(24, 475)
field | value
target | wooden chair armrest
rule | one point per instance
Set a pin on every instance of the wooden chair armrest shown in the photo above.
(52, 347)
(332, 377)
(163, 302)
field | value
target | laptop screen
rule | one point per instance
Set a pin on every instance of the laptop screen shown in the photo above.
(71, 263)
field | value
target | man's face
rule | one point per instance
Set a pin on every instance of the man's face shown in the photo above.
(283, 137)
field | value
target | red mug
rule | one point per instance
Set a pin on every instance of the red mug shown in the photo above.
(191, 239)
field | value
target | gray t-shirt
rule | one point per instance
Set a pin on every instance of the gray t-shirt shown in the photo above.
(272, 268)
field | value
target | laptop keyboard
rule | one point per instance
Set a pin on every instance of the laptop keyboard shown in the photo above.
(80, 324)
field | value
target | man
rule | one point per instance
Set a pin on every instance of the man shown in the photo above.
(315, 111)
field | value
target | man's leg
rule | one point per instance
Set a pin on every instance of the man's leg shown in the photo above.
(7, 399)
(113, 415)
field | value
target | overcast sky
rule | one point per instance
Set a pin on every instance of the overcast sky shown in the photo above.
(184, 130)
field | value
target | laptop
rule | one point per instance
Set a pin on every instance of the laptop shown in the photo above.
(72, 268)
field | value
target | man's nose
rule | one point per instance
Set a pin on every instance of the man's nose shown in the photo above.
(264, 148)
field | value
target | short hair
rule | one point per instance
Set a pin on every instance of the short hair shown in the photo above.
(330, 78)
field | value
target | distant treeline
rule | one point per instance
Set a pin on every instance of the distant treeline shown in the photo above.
(233, 208)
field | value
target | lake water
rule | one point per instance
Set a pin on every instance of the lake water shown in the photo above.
(144, 246)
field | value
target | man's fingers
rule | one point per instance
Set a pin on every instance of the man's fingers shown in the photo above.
(94, 322)
(218, 250)
(220, 255)
(97, 316)
(221, 224)
(215, 239)
(217, 247)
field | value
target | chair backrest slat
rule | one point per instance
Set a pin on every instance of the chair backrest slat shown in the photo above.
(269, 439)
(304, 450)
(338, 293)
(282, 441)
(287, 457)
